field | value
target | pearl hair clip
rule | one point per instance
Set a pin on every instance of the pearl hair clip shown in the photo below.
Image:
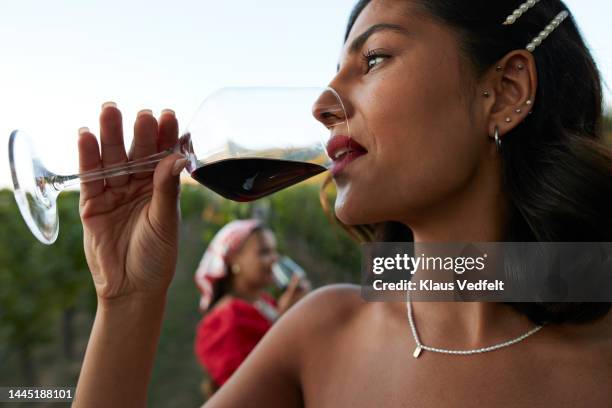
(516, 14)
(546, 32)
(520, 11)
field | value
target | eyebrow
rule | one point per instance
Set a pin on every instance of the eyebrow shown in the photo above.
(363, 37)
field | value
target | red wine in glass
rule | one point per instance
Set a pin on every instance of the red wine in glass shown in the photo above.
(248, 179)
(243, 143)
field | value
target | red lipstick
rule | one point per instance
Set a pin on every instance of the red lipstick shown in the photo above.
(343, 150)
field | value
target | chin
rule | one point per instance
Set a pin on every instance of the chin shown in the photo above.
(354, 208)
(269, 280)
(352, 212)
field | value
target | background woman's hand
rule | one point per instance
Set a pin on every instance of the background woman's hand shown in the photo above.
(130, 223)
(296, 290)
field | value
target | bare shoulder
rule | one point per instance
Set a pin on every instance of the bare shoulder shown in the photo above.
(606, 333)
(321, 313)
(332, 304)
(271, 375)
(343, 295)
(584, 346)
(598, 333)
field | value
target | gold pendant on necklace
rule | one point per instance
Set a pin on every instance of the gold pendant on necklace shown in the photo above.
(417, 352)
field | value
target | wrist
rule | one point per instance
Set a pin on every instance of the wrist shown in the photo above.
(134, 303)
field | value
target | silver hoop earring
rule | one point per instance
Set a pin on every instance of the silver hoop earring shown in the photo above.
(498, 142)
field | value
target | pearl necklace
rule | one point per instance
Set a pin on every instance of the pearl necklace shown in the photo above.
(420, 346)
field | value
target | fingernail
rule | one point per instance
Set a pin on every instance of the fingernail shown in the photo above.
(109, 105)
(83, 130)
(145, 112)
(178, 166)
(168, 111)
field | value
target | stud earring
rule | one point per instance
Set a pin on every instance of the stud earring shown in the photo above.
(486, 94)
(529, 102)
(520, 67)
(498, 68)
(518, 110)
(235, 269)
(508, 120)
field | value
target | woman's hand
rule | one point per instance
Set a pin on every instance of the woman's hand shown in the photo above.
(296, 290)
(130, 223)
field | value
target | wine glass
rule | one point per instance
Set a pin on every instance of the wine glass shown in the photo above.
(243, 143)
(283, 271)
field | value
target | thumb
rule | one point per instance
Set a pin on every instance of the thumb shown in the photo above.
(166, 188)
(293, 285)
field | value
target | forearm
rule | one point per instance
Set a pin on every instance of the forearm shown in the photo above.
(120, 354)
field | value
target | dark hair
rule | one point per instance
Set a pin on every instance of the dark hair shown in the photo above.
(556, 167)
(223, 286)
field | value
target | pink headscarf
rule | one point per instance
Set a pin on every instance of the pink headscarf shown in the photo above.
(213, 265)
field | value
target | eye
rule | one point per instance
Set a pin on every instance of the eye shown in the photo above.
(372, 58)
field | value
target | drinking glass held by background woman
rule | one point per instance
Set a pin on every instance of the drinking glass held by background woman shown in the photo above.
(471, 122)
(232, 277)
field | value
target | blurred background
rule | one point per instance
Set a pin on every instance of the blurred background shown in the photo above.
(63, 59)
(47, 300)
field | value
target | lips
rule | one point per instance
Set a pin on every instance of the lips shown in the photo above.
(343, 150)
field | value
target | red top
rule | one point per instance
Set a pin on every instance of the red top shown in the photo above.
(227, 334)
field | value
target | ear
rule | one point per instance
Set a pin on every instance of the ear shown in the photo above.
(510, 86)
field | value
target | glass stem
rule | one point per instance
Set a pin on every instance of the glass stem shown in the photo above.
(141, 165)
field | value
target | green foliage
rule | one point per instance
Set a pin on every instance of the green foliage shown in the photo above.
(296, 215)
(38, 282)
(22, 285)
(302, 229)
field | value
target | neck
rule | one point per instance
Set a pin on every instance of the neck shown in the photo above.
(474, 214)
(243, 290)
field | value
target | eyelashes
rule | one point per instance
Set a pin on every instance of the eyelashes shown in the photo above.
(372, 58)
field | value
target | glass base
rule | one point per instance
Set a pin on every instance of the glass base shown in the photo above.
(35, 197)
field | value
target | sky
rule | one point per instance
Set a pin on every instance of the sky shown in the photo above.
(62, 59)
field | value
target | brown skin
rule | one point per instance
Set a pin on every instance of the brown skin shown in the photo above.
(431, 165)
(253, 263)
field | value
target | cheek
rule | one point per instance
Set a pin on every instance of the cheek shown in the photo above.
(424, 148)
(430, 161)
(257, 271)
(264, 263)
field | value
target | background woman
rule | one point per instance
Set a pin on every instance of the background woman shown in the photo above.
(232, 277)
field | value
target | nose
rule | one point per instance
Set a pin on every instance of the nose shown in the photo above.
(329, 109)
